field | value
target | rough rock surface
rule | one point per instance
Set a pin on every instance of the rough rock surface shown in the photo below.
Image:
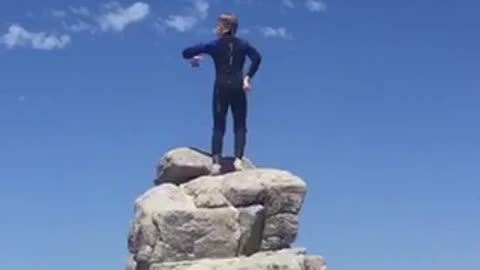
(280, 193)
(288, 259)
(236, 220)
(182, 164)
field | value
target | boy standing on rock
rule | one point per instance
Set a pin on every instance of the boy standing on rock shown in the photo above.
(230, 87)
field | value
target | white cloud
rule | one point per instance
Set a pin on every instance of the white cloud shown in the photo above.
(17, 36)
(201, 8)
(316, 5)
(288, 3)
(271, 32)
(181, 23)
(191, 17)
(118, 18)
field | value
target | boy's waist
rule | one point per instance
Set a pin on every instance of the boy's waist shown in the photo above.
(229, 80)
(229, 73)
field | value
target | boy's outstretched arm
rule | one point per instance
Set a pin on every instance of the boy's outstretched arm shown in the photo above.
(198, 49)
(255, 59)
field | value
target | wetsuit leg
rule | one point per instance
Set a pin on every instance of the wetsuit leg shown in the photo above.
(220, 109)
(239, 111)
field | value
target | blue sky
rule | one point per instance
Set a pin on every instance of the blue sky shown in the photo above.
(373, 103)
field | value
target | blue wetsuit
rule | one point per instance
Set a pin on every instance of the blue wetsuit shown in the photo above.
(229, 54)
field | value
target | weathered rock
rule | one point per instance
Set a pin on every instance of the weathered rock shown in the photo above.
(280, 231)
(131, 263)
(194, 234)
(252, 220)
(183, 164)
(143, 231)
(281, 260)
(182, 232)
(206, 192)
(315, 263)
(162, 198)
(279, 192)
(190, 217)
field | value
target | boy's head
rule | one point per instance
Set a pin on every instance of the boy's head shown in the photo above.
(227, 24)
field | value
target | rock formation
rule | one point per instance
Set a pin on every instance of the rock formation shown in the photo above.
(237, 220)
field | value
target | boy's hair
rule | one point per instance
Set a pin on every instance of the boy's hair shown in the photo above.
(229, 22)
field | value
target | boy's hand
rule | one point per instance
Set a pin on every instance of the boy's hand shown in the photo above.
(195, 61)
(247, 84)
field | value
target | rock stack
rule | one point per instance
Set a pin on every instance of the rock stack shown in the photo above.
(238, 220)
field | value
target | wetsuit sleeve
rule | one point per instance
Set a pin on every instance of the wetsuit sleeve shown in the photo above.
(201, 48)
(255, 59)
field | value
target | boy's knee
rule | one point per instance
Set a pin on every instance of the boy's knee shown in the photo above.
(240, 130)
(219, 130)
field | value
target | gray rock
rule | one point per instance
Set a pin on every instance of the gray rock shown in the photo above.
(280, 231)
(193, 216)
(185, 163)
(282, 195)
(201, 233)
(279, 192)
(206, 192)
(281, 260)
(143, 232)
(251, 220)
(182, 164)
(131, 263)
(315, 263)
(286, 197)
(162, 198)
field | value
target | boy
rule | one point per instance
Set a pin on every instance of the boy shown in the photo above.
(230, 87)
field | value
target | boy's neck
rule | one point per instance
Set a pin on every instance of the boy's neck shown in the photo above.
(227, 36)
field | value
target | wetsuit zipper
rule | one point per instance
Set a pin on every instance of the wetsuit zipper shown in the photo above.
(230, 61)
(231, 54)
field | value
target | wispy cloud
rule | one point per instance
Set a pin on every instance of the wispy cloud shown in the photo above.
(201, 8)
(190, 18)
(112, 17)
(278, 32)
(288, 3)
(17, 36)
(316, 5)
(181, 23)
(118, 18)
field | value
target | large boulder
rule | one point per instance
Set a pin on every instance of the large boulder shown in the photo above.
(182, 164)
(280, 193)
(144, 233)
(228, 219)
